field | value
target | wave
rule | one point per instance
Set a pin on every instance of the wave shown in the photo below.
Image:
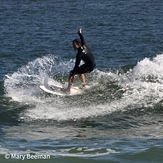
(140, 86)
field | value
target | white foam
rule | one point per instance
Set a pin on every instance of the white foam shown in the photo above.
(141, 87)
(143, 84)
(85, 152)
(23, 85)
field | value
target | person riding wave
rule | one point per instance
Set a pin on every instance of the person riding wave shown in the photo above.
(84, 54)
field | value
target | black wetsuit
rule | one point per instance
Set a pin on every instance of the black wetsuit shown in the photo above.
(83, 54)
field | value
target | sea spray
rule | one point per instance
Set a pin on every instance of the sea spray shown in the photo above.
(137, 88)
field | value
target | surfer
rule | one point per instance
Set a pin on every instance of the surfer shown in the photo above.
(83, 54)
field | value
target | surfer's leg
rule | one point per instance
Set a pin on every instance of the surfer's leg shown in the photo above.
(82, 78)
(70, 81)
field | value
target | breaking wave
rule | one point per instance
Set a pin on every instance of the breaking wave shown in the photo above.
(111, 91)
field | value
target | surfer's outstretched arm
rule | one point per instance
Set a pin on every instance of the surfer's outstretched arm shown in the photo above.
(81, 37)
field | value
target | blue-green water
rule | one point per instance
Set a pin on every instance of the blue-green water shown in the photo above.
(119, 119)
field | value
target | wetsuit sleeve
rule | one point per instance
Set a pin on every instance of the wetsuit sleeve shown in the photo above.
(78, 59)
(82, 39)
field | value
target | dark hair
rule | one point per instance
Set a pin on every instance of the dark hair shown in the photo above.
(77, 40)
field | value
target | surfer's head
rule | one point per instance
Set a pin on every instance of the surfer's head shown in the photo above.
(76, 43)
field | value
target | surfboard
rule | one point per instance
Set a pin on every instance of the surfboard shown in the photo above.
(56, 90)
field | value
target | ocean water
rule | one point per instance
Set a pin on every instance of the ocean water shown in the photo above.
(119, 120)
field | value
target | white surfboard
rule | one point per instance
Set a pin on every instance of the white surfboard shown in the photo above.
(56, 90)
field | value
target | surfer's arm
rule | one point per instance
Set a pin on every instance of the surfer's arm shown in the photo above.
(81, 37)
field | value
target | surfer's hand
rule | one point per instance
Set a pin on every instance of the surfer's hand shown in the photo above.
(80, 31)
(71, 73)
